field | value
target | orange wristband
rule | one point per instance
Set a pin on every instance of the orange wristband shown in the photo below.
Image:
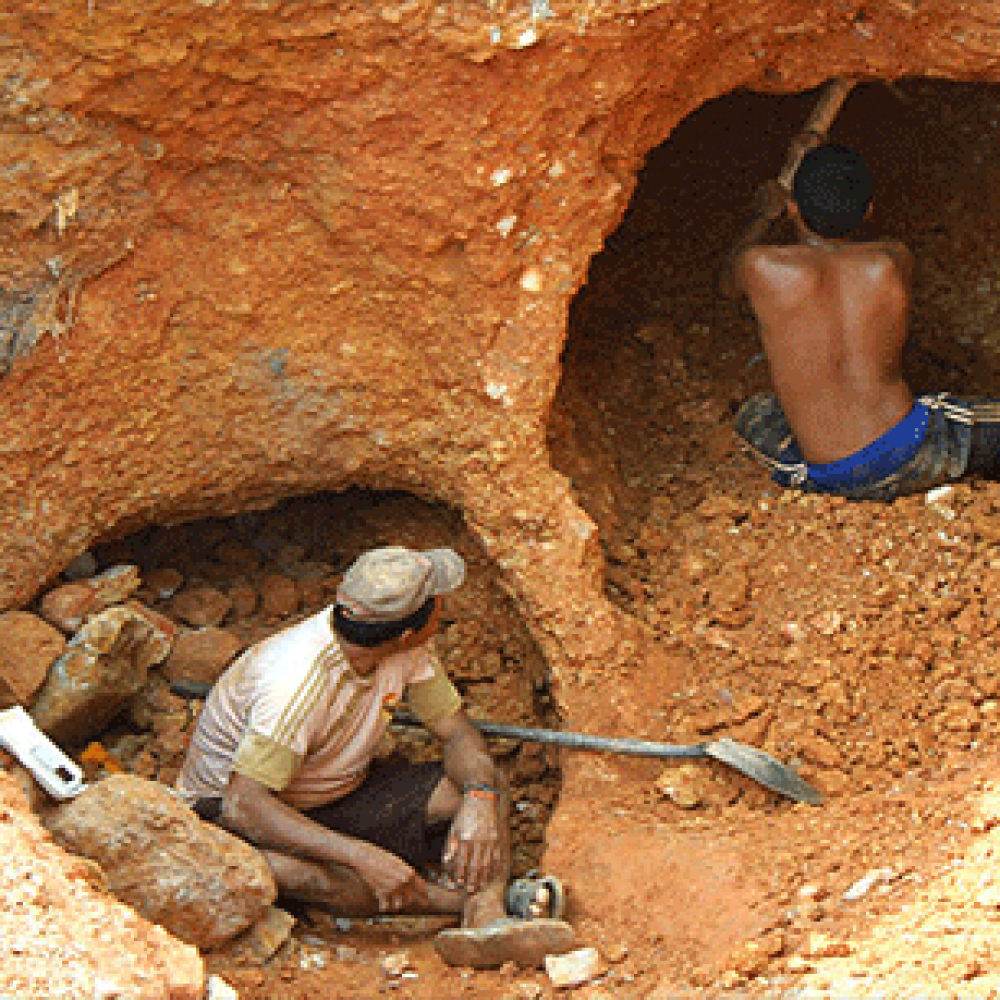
(481, 790)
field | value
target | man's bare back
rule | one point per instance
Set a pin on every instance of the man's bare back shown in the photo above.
(833, 319)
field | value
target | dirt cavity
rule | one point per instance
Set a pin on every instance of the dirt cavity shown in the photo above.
(856, 641)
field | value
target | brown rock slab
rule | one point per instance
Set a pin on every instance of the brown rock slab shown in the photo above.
(28, 647)
(197, 881)
(201, 654)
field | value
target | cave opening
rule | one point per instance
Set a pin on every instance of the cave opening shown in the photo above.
(249, 575)
(656, 362)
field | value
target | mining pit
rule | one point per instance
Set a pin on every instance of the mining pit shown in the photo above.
(854, 641)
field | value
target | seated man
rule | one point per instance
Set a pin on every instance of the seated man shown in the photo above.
(833, 320)
(282, 755)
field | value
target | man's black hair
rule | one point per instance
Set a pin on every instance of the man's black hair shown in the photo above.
(832, 189)
(370, 634)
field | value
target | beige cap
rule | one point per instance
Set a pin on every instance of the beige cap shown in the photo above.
(390, 583)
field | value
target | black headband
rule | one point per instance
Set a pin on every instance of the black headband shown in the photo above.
(370, 634)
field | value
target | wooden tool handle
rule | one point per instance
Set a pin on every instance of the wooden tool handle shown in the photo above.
(819, 122)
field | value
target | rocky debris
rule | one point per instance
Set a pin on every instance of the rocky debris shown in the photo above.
(28, 648)
(201, 654)
(69, 606)
(259, 942)
(279, 596)
(199, 882)
(64, 936)
(199, 606)
(104, 665)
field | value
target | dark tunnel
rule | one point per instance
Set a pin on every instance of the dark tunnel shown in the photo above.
(656, 362)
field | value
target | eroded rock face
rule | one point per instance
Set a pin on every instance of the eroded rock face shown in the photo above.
(64, 935)
(259, 249)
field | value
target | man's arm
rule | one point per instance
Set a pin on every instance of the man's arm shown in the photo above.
(478, 847)
(770, 204)
(252, 811)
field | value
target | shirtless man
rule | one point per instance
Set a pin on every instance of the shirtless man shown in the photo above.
(833, 318)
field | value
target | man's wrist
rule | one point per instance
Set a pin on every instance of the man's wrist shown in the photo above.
(480, 790)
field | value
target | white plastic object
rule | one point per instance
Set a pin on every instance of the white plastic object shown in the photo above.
(61, 777)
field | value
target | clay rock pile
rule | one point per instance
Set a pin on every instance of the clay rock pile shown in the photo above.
(92, 662)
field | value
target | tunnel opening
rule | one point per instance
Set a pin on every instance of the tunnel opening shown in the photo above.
(849, 640)
(656, 362)
(226, 583)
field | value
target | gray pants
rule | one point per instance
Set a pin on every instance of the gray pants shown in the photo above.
(962, 438)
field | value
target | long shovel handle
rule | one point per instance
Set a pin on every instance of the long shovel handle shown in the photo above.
(577, 741)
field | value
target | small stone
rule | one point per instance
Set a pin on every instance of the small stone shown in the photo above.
(83, 566)
(263, 938)
(28, 648)
(574, 968)
(395, 963)
(201, 654)
(163, 583)
(683, 785)
(200, 606)
(819, 945)
(218, 989)
(878, 876)
(244, 599)
(279, 596)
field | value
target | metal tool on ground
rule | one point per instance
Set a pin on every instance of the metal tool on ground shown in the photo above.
(756, 764)
(61, 777)
(762, 767)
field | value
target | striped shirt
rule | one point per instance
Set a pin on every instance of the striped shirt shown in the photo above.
(292, 714)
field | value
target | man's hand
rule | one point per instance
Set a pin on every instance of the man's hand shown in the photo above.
(472, 853)
(771, 200)
(393, 882)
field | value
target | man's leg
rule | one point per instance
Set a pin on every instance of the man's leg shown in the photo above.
(488, 937)
(341, 892)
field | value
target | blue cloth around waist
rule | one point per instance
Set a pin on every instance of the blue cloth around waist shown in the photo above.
(881, 458)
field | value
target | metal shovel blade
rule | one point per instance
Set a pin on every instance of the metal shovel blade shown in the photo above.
(764, 769)
(756, 764)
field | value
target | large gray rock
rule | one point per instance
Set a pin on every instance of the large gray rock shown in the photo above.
(104, 665)
(199, 882)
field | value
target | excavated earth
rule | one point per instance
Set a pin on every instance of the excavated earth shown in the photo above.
(856, 642)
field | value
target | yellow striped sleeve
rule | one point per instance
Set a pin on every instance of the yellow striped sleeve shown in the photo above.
(266, 761)
(434, 698)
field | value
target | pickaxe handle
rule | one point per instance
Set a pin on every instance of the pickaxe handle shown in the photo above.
(819, 122)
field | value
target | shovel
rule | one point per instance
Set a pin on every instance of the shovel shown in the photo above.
(754, 763)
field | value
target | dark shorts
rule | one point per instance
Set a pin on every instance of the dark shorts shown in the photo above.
(389, 809)
(961, 436)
